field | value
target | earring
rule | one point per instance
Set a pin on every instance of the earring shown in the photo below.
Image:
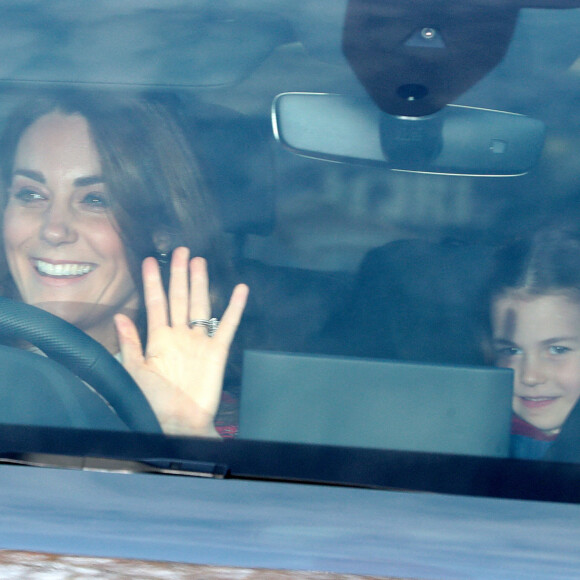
(163, 258)
(163, 247)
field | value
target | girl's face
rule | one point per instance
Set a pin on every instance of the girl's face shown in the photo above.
(62, 247)
(539, 338)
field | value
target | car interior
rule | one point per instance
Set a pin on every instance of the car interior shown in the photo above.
(366, 157)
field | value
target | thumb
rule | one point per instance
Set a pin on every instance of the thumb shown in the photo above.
(129, 341)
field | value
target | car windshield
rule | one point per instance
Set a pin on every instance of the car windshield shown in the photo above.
(395, 182)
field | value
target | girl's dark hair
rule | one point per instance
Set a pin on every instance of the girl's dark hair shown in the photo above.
(547, 262)
(156, 185)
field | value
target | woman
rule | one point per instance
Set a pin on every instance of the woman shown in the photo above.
(535, 330)
(93, 186)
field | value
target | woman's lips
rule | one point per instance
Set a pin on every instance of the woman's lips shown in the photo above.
(62, 269)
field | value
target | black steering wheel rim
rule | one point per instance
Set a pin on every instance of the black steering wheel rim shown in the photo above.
(83, 356)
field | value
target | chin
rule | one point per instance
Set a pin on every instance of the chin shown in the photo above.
(79, 314)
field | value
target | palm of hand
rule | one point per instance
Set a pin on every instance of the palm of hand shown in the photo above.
(182, 369)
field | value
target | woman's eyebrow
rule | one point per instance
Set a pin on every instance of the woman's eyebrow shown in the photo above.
(35, 175)
(79, 182)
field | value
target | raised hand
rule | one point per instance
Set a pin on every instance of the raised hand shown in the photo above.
(181, 370)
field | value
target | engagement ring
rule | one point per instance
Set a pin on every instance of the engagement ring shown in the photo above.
(211, 325)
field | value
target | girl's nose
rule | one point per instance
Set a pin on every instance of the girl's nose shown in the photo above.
(533, 372)
(58, 227)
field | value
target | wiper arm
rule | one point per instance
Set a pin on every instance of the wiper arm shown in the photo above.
(164, 466)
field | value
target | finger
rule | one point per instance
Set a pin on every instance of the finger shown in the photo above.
(179, 287)
(154, 294)
(129, 341)
(200, 304)
(233, 315)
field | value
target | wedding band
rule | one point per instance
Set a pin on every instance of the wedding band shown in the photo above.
(211, 325)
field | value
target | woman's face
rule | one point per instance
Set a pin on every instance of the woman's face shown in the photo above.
(62, 247)
(539, 338)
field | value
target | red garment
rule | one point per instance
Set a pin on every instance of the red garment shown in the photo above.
(226, 421)
(525, 429)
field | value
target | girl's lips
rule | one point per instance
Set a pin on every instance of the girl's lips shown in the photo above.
(537, 402)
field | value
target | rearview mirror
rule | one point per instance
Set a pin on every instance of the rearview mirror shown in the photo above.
(457, 140)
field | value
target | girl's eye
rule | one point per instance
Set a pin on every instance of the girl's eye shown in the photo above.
(507, 351)
(555, 349)
(28, 195)
(96, 201)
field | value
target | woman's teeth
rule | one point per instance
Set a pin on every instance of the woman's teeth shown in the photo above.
(64, 270)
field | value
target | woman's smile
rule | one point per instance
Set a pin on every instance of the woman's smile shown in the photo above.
(62, 269)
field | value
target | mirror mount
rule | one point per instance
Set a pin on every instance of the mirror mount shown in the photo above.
(414, 57)
(413, 142)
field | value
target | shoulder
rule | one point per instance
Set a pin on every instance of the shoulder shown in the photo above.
(528, 442)
(523, 447)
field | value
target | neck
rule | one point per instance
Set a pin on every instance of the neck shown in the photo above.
(105, 331)
(106, 336)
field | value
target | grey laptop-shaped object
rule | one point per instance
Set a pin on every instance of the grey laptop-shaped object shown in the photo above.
(356, 402)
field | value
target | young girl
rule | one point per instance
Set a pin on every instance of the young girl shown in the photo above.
(535, 330)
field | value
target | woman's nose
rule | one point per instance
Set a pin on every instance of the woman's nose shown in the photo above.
(58, 227)
(533, 372)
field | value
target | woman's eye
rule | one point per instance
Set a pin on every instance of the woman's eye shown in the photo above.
(555, 349)
(96, 201)
(28, 195)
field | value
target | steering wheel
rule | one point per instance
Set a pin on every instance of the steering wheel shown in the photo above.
(82, 356)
